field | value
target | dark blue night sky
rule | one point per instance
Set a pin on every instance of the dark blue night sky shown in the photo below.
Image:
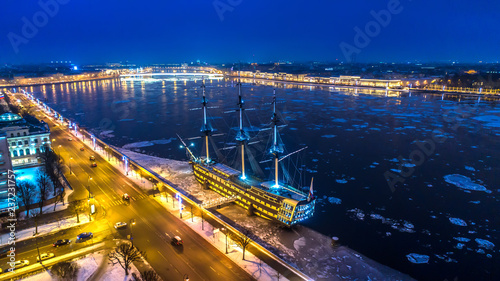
(165, 31)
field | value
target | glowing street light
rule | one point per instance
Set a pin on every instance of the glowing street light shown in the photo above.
(178, 196)
(132, 223)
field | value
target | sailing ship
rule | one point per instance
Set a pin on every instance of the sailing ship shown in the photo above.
(272, 200)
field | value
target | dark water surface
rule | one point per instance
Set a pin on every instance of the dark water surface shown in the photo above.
(354, 141)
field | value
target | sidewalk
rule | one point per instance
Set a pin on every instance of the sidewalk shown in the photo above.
(44, 229)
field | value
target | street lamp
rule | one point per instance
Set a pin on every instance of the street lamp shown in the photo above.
(88, 187)
(36, 242)
(71, 158)
(201, 209)
(224, 230)
(180, 204)
(132, 223)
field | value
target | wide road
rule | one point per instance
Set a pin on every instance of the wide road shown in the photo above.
(154, 225)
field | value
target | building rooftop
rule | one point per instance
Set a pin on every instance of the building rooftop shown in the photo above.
(10, 121)
(9, 116)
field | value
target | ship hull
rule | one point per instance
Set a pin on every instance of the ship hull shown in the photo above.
(255, 199)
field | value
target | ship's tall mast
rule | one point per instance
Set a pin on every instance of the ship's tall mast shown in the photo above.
(205, 129)
(276, 150)
(242, 136)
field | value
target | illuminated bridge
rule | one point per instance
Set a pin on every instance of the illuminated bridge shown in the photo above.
(170, 76)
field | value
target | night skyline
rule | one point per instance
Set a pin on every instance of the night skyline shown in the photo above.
(256, 31)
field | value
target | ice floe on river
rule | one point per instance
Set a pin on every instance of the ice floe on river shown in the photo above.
(417, 258)
(147, 143)
(465, 183)
(400, 225)
(457, 221)
(483, 243)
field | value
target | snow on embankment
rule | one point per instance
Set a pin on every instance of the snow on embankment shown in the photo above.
(179, 173)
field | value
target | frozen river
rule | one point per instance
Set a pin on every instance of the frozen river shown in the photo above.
(409, 180)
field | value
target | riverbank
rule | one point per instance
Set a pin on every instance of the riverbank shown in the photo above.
(56, 82)
(437, 92)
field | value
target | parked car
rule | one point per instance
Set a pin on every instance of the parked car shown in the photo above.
(84, 235)
(45, 256)
(82, 148)
(94, 164)
(19, 263)
(5, 251)
(120, 225)
(126, 196)
(177, 240)
(92, 158)
(61, 242)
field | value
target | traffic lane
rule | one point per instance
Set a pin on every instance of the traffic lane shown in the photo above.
(82, 170)
(201, 253)
(151, 242)
(147, 238)
(29, 249)
(104, 175)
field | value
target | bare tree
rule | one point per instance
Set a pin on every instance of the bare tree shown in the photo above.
(77, 207)
(58, 196)
(43, 181)
(242, 240)
(36, 215)
(65, 270)
(150, 275)
(124, 255)
(26, 192)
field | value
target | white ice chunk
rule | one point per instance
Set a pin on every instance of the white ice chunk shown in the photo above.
(334, 200)
(417, 258)
(464, 182)
(483, 243)
(457, 221)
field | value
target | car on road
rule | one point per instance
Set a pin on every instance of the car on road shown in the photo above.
(92, 158)
(70, 139)
(176, 240)
(126, 196)
(94, 164)
(19, 263)
(82, 148)
(120, 225)
(5, 251)
(45, 256)
(84, 235)
(61, 242)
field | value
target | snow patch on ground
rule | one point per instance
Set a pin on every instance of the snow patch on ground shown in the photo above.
(299, 243)
(86, 267)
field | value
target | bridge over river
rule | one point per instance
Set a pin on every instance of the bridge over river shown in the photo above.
(170, 76)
